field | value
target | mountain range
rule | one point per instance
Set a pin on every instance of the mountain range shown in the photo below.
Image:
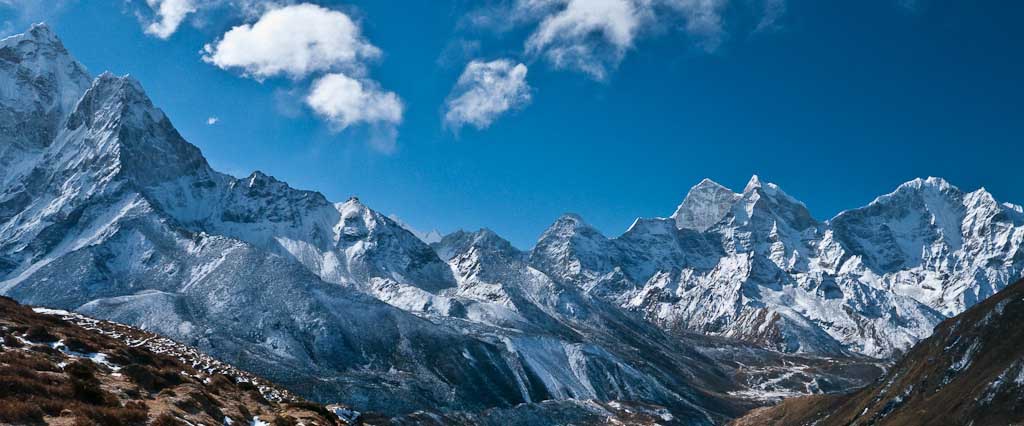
(757, 266)
(106, 210)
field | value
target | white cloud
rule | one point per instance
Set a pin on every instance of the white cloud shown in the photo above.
(586, 35)
(306, 40)
(773, 10)
(18, 15)
(485, 91)
(295, 41)
(345, 101)
(703, 19)
(593, 36)
(170, 14)
(212, 120)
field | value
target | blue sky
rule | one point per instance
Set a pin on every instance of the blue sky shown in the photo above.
(837, 102)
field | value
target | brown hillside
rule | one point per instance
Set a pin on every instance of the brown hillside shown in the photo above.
(64, 369)
(970, 372)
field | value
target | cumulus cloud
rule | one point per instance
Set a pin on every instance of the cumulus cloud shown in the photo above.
(170, 14)
(295, 41)
(212, 120)
(300, 41)
(485, 91)
(345, 101)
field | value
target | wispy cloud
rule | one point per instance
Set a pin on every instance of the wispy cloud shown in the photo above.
(593, 36)
(702, 20)
(586, 35)
(912, 6)
(163, 18)
(23, 13)
(485, 91)
(169, 16)
(772, 11)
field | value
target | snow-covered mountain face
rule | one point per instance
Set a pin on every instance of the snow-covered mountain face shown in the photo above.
(757, 266)
(933, 242)
(108, 211)
(39, 85)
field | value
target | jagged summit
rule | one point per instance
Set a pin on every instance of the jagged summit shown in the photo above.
(705, 204)
(38, 43)
(570, 225)
(930, 181)
(571, 219)
(39, 32)
(753, 184)
(709, 203)
(124, 133)
(484, 239)
(39, 53)
(41, 84)
(113, 97)
(757, 265)
(258, 178)
(259, 182)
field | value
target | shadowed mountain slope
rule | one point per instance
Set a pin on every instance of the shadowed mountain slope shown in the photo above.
(970, 372)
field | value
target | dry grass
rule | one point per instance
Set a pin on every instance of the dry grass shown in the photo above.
(20, 412)
(167, 419)
(43, 385)
(924, 388)
(152, 379)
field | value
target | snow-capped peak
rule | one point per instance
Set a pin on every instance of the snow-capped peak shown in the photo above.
(929, 182)
(119, 98)
(40, 84)
(705, 205)
(40, 32)
(40, 35)
(356, 219)
(572, 220)
(257, 179)
(769, 189)
(752, 185)
(129, 136)
(483, 239)
(570, 226)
